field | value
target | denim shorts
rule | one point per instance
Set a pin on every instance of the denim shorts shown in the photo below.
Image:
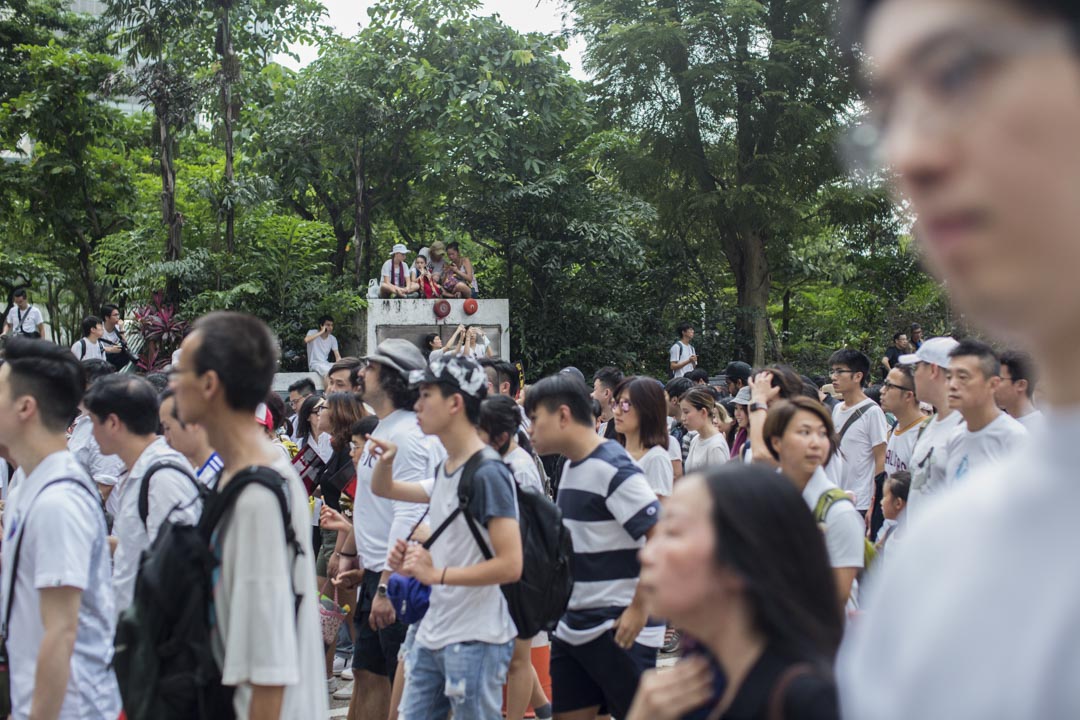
(466, 678)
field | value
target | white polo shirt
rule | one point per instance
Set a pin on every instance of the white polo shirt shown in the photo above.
(169, 489)
(64, 545)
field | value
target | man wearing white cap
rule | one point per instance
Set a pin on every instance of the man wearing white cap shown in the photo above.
(398, 280)
(928, 459)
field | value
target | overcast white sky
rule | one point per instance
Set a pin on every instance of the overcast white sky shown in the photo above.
(524, 15)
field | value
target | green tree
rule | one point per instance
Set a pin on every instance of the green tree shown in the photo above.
(737, 103)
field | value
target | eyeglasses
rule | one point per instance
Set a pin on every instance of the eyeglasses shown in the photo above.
(948, 84)
(622, 405)
(318, 409)
(837, 371)
(886, 385)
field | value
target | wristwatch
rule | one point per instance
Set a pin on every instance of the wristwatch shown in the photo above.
(381, 590)
(754, 407)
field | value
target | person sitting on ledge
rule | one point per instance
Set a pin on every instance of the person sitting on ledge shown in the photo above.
(398, 280)
(459, 280)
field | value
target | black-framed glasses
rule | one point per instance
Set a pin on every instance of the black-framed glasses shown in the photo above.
(894, 386)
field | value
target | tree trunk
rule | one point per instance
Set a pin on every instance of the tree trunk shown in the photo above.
(172, 220)
(752, 284)
(228, 76)
(358, 222)
(785, 318)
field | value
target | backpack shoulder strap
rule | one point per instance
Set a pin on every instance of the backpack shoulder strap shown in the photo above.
(18, 545)
(144, 487)
(82, 349)
(464, 498)
(226, 498)
(826, 501)
(851, 421)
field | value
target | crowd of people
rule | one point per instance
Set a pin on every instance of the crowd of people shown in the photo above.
(815, 548)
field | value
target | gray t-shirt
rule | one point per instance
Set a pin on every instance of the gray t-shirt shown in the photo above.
(458, 613)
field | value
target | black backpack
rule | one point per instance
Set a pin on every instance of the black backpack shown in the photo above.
(540, 597)
(163, 661)
(144, 488)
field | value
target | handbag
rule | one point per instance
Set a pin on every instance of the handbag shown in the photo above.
(330, 614)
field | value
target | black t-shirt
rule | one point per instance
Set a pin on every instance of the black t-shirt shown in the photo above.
(809, 696)
(335, 471)
(893, 355)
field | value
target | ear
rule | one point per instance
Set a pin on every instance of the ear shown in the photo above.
(1022, 385)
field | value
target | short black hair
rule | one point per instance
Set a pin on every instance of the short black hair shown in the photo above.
(853, 360)
(175, 414)
(364, 426)
(899, 483)
(988, 359)
(676, 387)
(698, 374)
(19, 292)
(609, 376)
(508, 373)
(855, 13)
(323, 319)
(107, 309)
(96, 369)
(303, 386)
(402, 395)
(242, 351)
(48, 373)
(354, 365)
(683, 327)
(897, 335)
(89, 323)
(561, 389)
(130, 398)
(1021, 367)
(159, 380)
(471, 402)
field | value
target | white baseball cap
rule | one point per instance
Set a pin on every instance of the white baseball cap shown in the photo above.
(400, 248)
(934, 351)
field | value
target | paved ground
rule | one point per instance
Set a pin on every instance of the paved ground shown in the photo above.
(340, 708)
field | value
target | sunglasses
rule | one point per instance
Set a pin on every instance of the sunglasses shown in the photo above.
(622, 405)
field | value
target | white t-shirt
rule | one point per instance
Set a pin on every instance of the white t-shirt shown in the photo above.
(31, 318)
(968, 450)
(1033, 421)
(674, 450)
(973, 616)
(707, 453)
(857, 447)
(899, 449)
(401, 277)
(172, 496)
(103, 469)
(318, 350)
(458, 613)
(63, 545)
(929, 461)
(844, 528)
(259, 638)
(524, 469)
(378, 522)
(86, 350)
(656, 467)
(680, 351)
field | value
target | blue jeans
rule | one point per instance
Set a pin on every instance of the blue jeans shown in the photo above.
(464, 677)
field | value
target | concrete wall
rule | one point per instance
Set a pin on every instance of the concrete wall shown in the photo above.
(412, 319)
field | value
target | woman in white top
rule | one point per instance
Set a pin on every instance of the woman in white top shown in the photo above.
(641, 426)
(89, 347)
(499, 425)
(709, 447)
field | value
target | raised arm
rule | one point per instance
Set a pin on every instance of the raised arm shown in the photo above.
(382, 481)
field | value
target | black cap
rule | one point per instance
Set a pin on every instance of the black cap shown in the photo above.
(458, 371)
(737, 370)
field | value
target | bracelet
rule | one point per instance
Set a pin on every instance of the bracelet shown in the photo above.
(345, 554)
(442, 580)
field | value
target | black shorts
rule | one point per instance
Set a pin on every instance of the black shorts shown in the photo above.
(597, 674)
(375, 651)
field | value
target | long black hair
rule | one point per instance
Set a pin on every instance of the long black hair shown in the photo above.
(499, 414)
(766, 534)
(303, 423)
